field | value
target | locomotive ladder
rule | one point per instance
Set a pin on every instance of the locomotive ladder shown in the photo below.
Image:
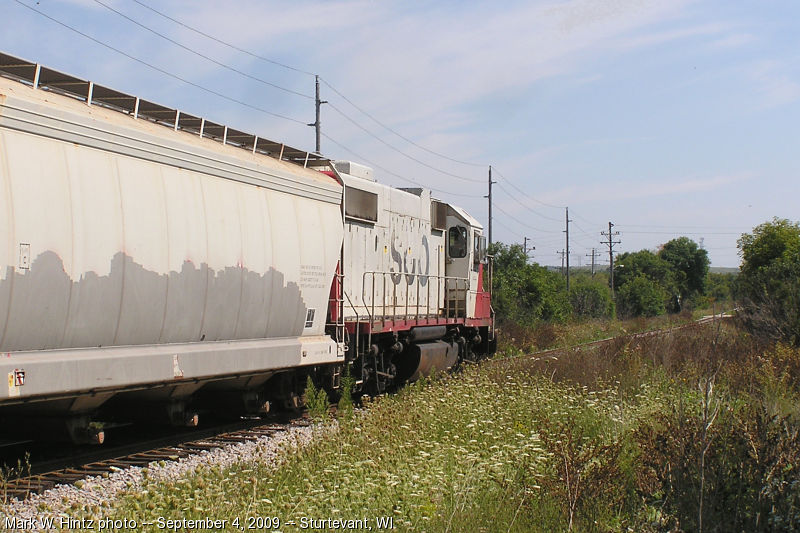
(337, 325)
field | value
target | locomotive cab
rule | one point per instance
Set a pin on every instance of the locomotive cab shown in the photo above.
(466, 259)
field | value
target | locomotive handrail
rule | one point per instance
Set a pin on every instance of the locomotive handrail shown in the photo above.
(451, 284)
(358, 319)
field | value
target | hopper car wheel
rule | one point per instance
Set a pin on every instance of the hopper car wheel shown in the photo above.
(97, 436)
(81, 431)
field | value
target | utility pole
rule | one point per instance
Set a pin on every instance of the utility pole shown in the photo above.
(489, 196)
(566, 217)
(317, 125)
(610, 243)
(594, 254)
(561, 253)
(525, 247)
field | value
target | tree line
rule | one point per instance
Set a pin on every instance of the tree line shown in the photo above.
(672, 279)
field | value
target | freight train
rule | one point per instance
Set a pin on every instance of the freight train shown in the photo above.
(153, 260)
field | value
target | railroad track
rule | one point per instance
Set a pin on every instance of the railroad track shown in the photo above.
(550, 352)
(45, 475)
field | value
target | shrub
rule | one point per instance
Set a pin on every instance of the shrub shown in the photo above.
(526, 293)
(585, 472)
(769, 283)
(591, 299)
(316, 400)
(640, 297)
(345, 405)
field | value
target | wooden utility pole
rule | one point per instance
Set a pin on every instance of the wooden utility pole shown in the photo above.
(566, 217)
(610, 243)
(317, 125)
(489, 196)
(525, 248)
(593, 255)
(561, 253)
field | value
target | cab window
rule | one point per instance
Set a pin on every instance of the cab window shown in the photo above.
(479, 250)
(457, 242)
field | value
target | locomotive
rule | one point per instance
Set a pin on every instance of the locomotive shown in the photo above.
(154, 260)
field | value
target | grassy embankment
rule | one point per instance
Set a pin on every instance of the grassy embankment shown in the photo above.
(694, 430)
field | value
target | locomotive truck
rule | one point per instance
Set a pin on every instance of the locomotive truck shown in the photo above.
(152, 260)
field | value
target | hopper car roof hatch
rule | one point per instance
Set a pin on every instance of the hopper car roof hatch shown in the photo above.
(39, 77)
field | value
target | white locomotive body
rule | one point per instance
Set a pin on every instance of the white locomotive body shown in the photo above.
(412, 286)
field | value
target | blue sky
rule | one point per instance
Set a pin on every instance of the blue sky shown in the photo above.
(666, 118)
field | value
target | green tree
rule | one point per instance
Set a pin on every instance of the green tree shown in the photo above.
(768, 290)
(631, 265)
(526, 293)
(721, 286)
(689, 266)
(591, 299)
(640, 296)
(645, 264)
(770, 242)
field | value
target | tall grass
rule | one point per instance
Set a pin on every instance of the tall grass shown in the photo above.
(696, 431)
(516, 338)
(479, 451)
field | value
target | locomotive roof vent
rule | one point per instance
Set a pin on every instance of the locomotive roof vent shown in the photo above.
(354, 169)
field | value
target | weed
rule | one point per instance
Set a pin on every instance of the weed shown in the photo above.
(316, 401)
(345, 405)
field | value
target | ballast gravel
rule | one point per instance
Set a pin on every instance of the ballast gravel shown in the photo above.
(101, 491)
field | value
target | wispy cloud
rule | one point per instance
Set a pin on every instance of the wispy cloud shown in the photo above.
(733, 40)
(666, 36)
(773, 82)
(638, 190)
(444, 59)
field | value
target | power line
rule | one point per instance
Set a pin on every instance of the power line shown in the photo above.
(585, 219)
(674, 226)
(326, 82)
(679, 232)
(234, 100)
(199, 54)
(370, 133)
(277, 115)
(220, 41)
(330, 105)
(514, 197)
(583, 230)
(509, 228)
(527, 195)
(384, 126)
(158, 69)
(518, 221)
(387, 171)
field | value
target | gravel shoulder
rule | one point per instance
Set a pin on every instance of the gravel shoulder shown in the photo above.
(98, 493)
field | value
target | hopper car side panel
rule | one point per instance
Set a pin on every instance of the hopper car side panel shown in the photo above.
(128, 259)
